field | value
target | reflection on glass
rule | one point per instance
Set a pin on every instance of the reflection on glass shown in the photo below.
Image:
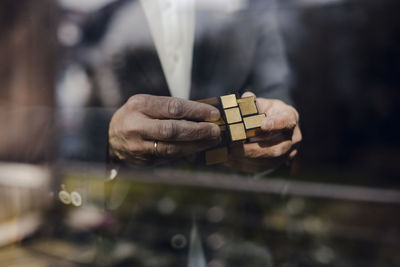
(60, 207)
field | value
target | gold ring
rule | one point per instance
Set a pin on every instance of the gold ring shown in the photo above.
(155, 145)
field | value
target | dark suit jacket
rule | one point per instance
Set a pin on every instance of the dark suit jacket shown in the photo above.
(233, 52)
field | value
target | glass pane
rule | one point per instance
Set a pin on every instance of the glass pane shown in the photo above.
(107, 156)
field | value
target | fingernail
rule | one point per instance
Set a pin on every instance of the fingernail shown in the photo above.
(268, 124)
(247, 94)
(215, 132)
(214, 115)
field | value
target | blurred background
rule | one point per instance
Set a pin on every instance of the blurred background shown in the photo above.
(344, 59)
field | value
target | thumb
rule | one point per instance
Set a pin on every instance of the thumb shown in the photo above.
(248, 94)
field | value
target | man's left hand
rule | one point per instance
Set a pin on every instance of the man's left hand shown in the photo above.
(277, 144)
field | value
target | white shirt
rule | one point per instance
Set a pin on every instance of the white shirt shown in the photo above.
(172, 26)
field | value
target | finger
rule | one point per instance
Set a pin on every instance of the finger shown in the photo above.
(274, 137)
(293, 154)
(297, 136)
(284, 120)
(176, 130)
(248, 94)
(264, 104)
(163, 107)
(271, 138)
(262, 150)
(179, 149)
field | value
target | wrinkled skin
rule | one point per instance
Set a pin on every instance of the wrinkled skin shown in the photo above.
(176, 124)
(278, 143)
(180, 129)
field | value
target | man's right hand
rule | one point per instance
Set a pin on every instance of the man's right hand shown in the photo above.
(175, 125)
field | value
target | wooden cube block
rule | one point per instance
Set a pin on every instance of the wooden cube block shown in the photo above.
(229, 101)
(239, 121)
(219, 122)
(217, 155)
(211, 101)
(237, 132)
(222, 128)
(233, 115)
(253, 121)
(254, 133)
(247, 106)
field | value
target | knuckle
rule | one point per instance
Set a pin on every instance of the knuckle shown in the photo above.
(292, 124)
(298, 139)
(175, 107)
(128, 128)
(133, 148)
(136, 102)
(286, 147)
(297, 136)
(296, 114)
(168, 130)
(125, 131)
(286, 121)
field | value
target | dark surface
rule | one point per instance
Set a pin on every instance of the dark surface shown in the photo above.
(345, 61)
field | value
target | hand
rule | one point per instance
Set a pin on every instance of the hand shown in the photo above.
(144, 119)
(278, 143)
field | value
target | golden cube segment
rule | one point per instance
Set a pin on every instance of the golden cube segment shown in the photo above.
(253, 121)
(242, 122)
(228, 101)
(247, 106)
(237, 131)
(219, 122)
(233, 115)
(245, 99)
(254, 133)
(211, 101)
